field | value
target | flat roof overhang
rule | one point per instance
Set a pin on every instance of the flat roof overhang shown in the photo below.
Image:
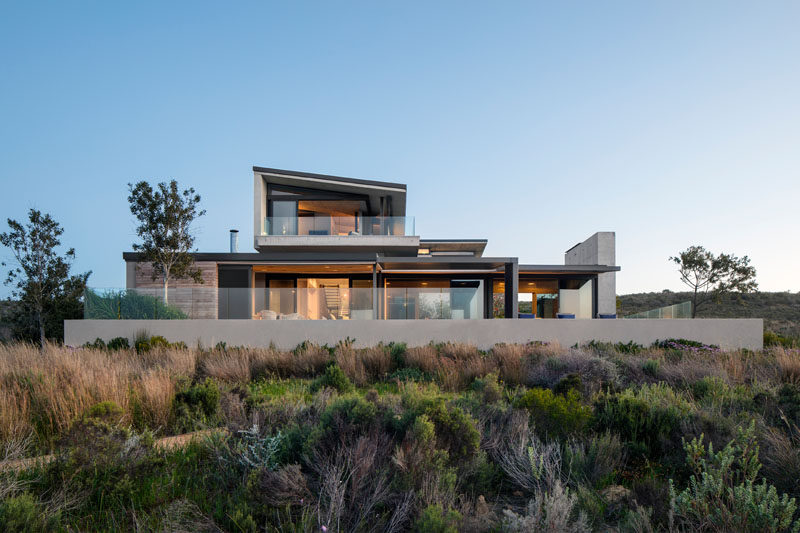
(474, 246)
(398, 264)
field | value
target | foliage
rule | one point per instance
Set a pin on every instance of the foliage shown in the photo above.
(708, 275)
(779, 310)
(549, 512)
(104, 410)
(555, 414)
(774, 339)
(196, 405)
(724, 494)
(409, 374)
(647, 417)
(684, 345)
(118, 343)
(569, 382)
(129, 305)
(489, 387)
(630, 347)
(650, 367)
(434, 519)
(46, 292)
(378, 457)
(334, 378)
(165, 216)
(23, 514)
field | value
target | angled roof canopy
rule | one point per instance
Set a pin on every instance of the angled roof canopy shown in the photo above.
(394, 194)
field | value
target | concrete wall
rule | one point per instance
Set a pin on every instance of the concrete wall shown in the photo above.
(599, 249)
(286, 334)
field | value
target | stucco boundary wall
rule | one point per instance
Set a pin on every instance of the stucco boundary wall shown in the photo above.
(286, 334)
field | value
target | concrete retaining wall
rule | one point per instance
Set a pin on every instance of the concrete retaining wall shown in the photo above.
(286, 334)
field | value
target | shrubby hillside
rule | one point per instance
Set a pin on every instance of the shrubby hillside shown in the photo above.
(780, 310)
(439, 438)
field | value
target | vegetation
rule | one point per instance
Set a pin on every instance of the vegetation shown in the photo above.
(780, 310)
(44, 290)
(535, 437)
(708, 275)
(129, 305)
(165, 217)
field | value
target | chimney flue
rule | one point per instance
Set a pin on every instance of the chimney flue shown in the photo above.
(234, 241)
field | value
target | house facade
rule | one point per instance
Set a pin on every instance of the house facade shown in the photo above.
(335, 248)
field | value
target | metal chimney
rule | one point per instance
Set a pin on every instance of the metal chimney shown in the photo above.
(234, 241)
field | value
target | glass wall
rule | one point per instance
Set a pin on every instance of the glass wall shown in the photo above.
(536, 298)
(433, 299)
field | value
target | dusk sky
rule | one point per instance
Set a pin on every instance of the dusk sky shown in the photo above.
(532, 125)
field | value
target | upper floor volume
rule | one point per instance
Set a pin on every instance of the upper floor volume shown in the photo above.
(320, 213)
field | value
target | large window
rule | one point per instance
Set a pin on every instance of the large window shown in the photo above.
(536, 298)
(294, 211)
(433, 299)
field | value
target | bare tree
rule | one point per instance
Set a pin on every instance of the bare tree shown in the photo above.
(165, 216)
(709, 275)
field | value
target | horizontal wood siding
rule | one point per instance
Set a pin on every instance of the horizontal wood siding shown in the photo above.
(197, 300)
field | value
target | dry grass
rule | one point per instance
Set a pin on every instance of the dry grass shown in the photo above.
(43, 392)
(788, 361)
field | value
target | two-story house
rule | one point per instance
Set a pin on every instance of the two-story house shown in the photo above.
(334, 248)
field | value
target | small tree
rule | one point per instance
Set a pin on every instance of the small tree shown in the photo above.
(709, 276)
(165, 217)
(46, 292)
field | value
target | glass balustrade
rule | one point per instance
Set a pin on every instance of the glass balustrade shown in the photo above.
(323, 303)
(340, 226)
(681, 310)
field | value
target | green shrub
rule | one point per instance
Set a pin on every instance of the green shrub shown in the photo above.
(128, 305)
(195, 405)
(104, 410)
(724, 493)
(334, 378)
(489, 387)
(343, 418)
(774, 339)
(650, 367)
(141, 342)
(647, 417)
(397, 351)
(409, 374)
(622, 347)
(353, 410)
(23, 514)
(555, 414)
(118, 343)
(98, 344)
(567, 383)
(157, 341)
(434, 519)
(456, 432)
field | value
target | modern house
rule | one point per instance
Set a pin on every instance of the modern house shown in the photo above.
(335, 248)
(338, 258)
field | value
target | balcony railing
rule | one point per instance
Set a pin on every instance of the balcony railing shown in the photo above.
(681, 310)
(324, 303)
(329, 225)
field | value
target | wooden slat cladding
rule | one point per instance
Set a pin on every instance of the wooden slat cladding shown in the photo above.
(199, 302)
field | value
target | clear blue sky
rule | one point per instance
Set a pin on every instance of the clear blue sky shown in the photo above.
(529, 124)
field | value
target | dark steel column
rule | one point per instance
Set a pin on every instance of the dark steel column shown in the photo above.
(511, 276)
(375, 290)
